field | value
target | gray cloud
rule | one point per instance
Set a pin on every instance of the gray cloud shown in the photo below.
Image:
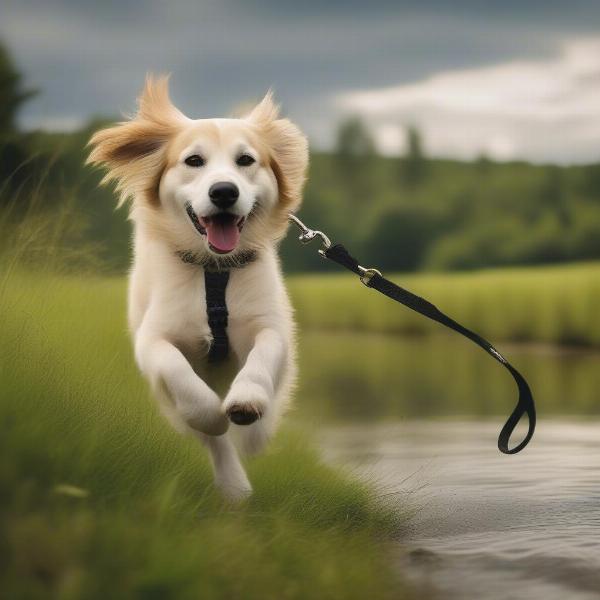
(89, 58)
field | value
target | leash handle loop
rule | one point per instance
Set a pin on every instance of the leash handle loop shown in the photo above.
(374, 279)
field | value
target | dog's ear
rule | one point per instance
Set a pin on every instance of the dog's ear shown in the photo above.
(134, 152)
(288, 149)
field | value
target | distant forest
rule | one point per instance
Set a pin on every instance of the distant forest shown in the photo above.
(407, 213)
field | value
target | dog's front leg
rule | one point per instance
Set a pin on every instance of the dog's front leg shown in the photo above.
(255, 385)
(168, 370)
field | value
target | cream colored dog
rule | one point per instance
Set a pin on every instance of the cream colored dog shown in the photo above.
(209, 194)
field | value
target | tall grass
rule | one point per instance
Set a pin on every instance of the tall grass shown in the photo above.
(99, 498)
(557, 305)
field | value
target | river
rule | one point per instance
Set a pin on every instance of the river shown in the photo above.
(419, 418)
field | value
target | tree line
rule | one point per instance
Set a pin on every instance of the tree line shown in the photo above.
(405, 213)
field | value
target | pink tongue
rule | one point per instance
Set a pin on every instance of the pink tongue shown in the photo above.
(223, 235)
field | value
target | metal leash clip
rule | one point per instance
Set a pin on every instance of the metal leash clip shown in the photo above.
(366, 274)
(308, 235)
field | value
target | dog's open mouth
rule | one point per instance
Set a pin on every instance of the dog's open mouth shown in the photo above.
(222, 230)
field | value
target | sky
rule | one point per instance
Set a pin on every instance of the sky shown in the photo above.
(511, 79)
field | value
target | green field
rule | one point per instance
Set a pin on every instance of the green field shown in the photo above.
(556, 305)
(101, 499)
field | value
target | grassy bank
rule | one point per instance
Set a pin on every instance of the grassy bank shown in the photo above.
(100, 499)
(557, 305)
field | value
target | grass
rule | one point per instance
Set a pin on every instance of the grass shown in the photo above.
(557, 305)
(101, 499)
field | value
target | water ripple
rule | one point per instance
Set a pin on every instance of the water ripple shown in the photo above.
(493, 526)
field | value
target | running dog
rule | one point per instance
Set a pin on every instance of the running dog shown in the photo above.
(209, 201)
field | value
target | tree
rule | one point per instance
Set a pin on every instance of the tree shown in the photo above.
(14, 151)
(401, 238)
(12, 94)
(590, 184)
(354, 146)
(413, 163)
(354, 161)
(553, 194)
(483, 164)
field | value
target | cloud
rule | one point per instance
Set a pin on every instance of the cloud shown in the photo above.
(540, 110)
(89, 58)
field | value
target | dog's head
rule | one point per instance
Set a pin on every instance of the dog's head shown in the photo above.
(214, 186)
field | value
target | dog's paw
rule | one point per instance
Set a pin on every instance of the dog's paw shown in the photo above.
(245, 404)
(243, 415)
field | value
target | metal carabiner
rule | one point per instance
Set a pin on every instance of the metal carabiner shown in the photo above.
(308, 235)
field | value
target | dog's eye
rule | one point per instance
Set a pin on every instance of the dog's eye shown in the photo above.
(245, 160)
(194, 160)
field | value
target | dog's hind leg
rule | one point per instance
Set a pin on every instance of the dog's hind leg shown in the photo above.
(230, 477)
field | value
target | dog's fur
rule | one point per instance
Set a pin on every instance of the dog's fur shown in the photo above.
(167, 309)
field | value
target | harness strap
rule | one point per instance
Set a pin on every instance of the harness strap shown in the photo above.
(215, 283)
(375, 280)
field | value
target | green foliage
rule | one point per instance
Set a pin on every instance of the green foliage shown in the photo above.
(414, 163)
(54, 182)
(15, 153)
(584, 239)
(12, 94)
(460, 216)
(353, 145)
(557, 305)
(407, 213)
(101, 498)
(401, 237)
(354, 158)
(590, 181)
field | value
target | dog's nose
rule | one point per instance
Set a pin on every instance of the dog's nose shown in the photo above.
(223, 194)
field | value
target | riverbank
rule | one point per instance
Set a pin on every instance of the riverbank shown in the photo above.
(97, 490)
(100, 498)
(554, 305)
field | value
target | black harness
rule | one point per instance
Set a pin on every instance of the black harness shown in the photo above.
(215, 283)
(216, 278)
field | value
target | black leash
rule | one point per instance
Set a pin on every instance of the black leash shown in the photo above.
(374, 279)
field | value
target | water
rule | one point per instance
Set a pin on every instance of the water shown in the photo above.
(367, 377)
(488, 525)
(480, 524)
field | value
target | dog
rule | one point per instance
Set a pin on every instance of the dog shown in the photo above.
(209, 196)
